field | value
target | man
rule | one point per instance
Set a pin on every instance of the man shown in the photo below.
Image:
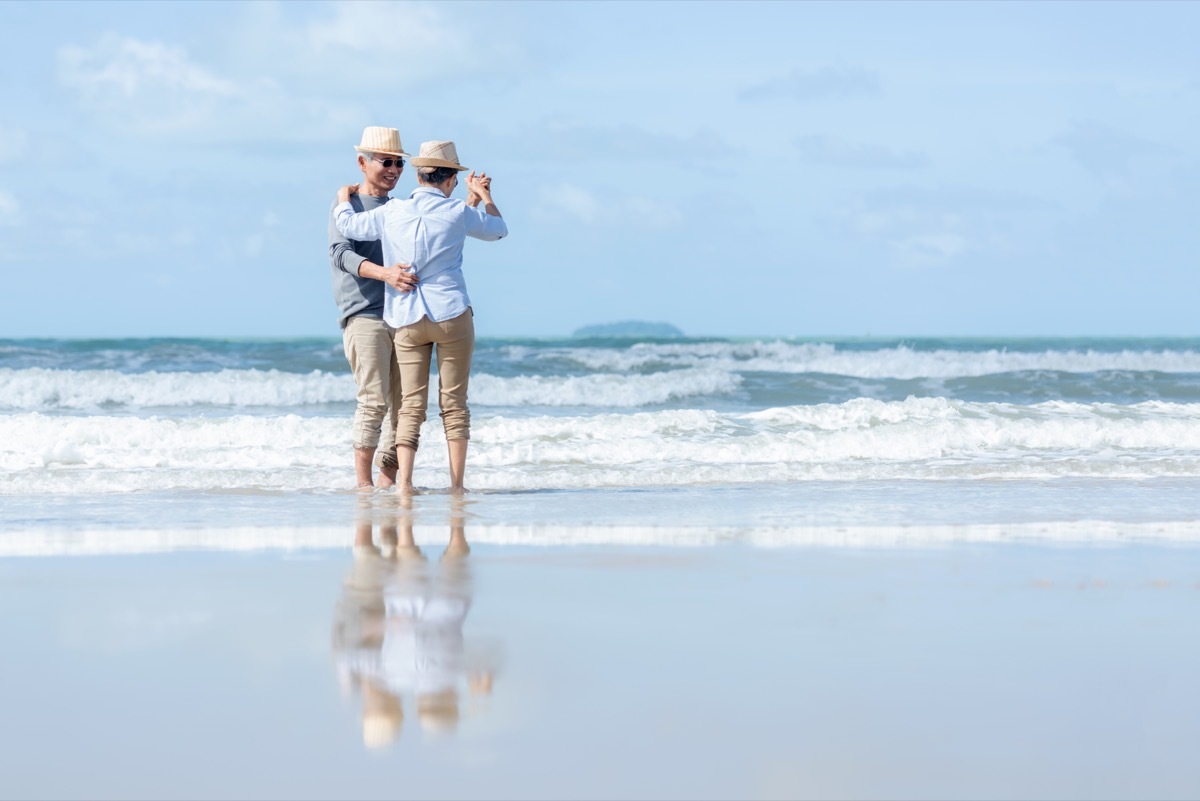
(358, 289)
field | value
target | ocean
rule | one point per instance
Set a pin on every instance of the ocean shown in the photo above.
(769, 439)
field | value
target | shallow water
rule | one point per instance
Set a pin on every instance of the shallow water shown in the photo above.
(117, 416)
(969, 671)
(698, 569)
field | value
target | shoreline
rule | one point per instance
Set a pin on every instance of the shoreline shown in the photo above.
(976, 670)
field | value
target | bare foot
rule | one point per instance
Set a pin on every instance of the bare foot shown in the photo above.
(387, 476)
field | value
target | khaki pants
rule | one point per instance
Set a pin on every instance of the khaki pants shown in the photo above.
(368, 345)
(455, 340)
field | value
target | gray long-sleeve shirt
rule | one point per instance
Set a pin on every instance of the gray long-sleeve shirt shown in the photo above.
(353, 294)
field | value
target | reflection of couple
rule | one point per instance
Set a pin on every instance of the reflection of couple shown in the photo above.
(398, 631)
(393, 316)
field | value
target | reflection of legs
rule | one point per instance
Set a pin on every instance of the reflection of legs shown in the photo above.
(406, 546)
(368, 345)
(456, 346)
(457, 547)
(363, 543)
(387, 540)
(414, 351)
(382, 716)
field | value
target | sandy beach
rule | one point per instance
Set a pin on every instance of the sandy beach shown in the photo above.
(607, 660)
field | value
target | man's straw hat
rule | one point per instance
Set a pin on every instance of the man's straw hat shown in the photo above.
(385, 141)
(437, 154)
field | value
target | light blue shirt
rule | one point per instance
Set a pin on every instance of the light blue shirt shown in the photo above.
(428, 231)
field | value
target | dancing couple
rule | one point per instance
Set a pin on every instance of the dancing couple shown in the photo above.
(398, 281)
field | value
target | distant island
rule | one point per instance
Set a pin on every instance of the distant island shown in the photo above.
(630, 329)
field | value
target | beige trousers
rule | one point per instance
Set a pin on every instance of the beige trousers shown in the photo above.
(414, 345)
(368, 345)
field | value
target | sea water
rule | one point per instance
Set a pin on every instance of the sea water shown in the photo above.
(774, 439)
(690, 573)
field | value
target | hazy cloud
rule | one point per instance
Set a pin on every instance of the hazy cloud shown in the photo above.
(932, 227)
(283, 73)
(405, 44)
(357, 25)
(130, 67)
(147, 87)
(817, 84)
(1105, 151)
(575, 142)
(10, 211)
(13, 144)
(568, 202)
(838, 152)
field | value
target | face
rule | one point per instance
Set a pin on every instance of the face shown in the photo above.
(380, 179)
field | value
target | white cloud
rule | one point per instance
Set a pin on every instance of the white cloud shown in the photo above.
(148, 88)
(373, 47)
(421, 30)
(131, 68)
(284, 73)
(827, 82)
(922, 227)
(838, 152)
(568, 202)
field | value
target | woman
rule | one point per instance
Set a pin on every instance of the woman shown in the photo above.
(428, 231)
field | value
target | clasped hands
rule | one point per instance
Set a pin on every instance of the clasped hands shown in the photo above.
(479, 188)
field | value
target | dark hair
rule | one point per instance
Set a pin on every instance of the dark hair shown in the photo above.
(436, 175)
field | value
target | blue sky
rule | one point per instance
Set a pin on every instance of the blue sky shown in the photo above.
(790, 169)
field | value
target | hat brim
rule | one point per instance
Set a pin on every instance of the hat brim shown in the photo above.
(362, 149)
(419, 161)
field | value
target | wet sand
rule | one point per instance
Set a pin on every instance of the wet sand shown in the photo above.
(362, 664)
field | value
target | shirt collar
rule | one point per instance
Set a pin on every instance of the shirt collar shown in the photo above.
(428, 190)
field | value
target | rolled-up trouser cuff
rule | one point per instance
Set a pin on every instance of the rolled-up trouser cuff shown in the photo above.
(368, 346)
(455, 346)
(387, 458)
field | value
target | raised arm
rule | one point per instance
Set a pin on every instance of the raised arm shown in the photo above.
(341, 249)
(488, 224)
(362, 225)
(479, 190)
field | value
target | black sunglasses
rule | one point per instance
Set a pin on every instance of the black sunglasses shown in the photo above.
(387, 163)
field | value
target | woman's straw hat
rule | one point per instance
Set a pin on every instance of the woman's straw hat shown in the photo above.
(437, 154)
(385, 141)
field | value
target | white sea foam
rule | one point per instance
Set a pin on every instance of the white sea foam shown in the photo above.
(927, 438)
(603, 390)
(96, 542)
(39, 389)
(897, 362)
